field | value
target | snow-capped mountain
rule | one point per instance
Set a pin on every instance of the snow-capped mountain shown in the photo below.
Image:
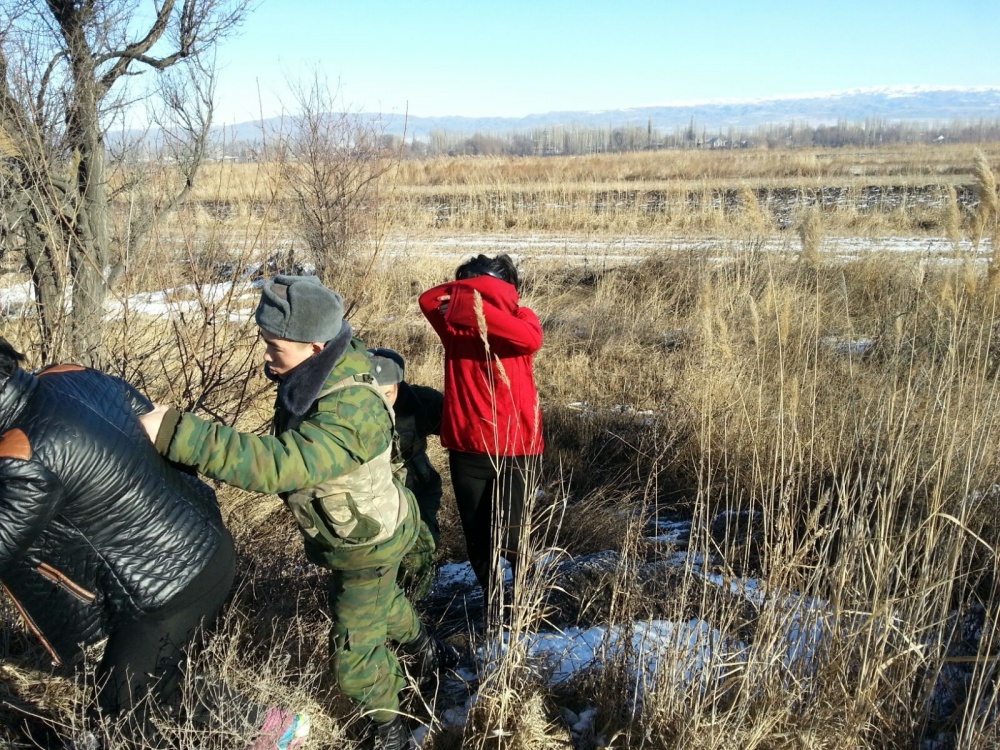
(898, 104)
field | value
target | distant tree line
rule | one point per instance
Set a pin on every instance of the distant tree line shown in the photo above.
(566, 141)
(575, 141)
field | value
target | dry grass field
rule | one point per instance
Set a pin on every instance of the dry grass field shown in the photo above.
(825, 427)
(871, 192)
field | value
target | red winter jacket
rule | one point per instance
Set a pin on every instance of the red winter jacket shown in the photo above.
(482, 412)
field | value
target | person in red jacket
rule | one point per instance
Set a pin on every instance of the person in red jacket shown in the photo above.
(491, 424)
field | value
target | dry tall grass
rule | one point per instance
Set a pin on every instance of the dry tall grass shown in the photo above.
(830, 430)
(864, 191)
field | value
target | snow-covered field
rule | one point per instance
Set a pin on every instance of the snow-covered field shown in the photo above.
(605, 250)
(16, 296)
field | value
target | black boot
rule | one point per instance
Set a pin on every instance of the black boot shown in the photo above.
(389, 735)
(426, 656)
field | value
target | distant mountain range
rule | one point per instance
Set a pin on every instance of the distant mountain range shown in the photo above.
(910, 104)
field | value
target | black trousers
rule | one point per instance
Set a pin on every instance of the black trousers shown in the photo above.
(491, 493)
(143, 656)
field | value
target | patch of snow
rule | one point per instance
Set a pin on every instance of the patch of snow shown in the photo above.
(645, 416)
(455, 576)
(687, 653)
(181, 300)
(241, 316)
(888, 91)
(13, 299)
(458, 716)
(459, 577)
(418, 735)
(752, 589)
(852, 347)
(584, 724)
(632, 249)
(806, 630)
(977, 496)
(671, 532)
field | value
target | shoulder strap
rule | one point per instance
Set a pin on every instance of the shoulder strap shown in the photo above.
(367, 381)
(363, 380)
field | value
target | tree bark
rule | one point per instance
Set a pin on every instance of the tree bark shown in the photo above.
(87, 230)
(61, 163)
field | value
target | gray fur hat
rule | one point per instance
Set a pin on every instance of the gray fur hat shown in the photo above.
(300, 308)
(388, 367)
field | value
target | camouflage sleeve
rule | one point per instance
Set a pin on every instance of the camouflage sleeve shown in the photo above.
(348, 429)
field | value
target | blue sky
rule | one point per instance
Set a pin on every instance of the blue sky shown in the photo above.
(472, 58)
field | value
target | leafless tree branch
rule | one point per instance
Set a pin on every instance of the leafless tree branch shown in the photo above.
(55, 102)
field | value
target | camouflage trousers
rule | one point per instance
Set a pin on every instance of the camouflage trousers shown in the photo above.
(416, 571)
(369, 608)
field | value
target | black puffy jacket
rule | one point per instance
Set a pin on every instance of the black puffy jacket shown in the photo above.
(95, 527)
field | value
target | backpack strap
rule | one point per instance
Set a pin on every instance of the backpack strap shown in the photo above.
(366, 380)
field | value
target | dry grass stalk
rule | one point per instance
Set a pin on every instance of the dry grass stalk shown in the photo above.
(988, 215)
(951, 218)
(986, 188)
(752, 218)
(810, 231)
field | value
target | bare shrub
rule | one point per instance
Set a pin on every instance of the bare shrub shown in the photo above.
(337, 166)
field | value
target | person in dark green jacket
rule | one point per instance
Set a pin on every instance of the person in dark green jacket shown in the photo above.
(329, 458)
(418, 415)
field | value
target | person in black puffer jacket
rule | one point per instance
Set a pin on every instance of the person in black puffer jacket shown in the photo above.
(99, 536)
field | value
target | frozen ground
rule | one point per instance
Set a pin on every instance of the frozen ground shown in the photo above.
(605, 250)
(237, 296)
(699, 654)
(694, 654)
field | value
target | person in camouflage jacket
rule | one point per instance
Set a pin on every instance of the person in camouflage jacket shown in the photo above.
(418, 411)
(328, 457)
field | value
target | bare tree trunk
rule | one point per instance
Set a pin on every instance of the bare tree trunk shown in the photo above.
(49, 282)
(90, 243)
(68, 55)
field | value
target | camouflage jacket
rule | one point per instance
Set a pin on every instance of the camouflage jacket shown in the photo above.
(314, 439)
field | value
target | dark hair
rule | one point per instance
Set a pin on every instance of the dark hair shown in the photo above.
(10, 358)
(501, 267)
